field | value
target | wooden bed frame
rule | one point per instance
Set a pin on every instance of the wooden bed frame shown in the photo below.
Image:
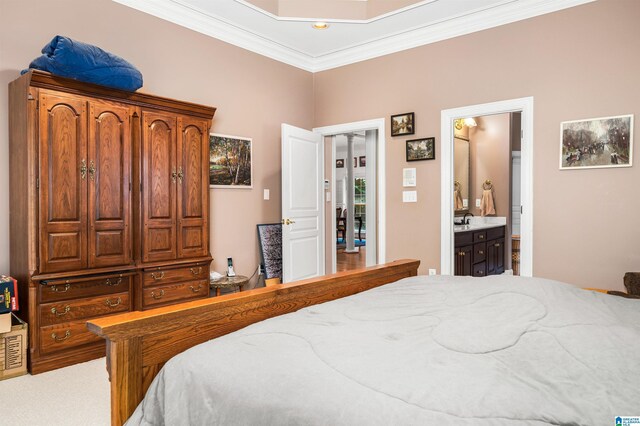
(139, 343)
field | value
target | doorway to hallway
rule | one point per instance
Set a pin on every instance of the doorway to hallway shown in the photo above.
(354, 194)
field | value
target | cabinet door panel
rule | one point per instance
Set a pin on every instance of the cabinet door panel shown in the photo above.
(109, 152)
(193, 188)
(63, 185)
(463, 260)
(159, 180)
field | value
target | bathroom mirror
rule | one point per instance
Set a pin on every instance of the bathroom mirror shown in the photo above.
(461, 173)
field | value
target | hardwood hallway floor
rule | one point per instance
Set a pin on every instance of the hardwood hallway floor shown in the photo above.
(349, 261)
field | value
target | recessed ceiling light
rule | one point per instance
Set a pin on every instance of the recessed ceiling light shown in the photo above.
(320, 25)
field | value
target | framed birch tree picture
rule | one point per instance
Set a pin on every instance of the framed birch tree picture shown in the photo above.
(230, 164)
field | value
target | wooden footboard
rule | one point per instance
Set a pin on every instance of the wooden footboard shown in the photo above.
(139, 343)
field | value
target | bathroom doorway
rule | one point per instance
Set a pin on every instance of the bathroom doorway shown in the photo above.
(518, 114)
(486, 160)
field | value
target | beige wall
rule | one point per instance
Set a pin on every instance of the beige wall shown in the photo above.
(577, 63)
(253, 95)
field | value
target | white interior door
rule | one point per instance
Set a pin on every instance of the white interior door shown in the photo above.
(302, 192)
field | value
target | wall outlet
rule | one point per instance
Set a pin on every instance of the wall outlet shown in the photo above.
(477, 202)
(432, 271)
(265, 194)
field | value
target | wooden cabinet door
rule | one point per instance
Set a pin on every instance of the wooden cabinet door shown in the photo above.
(159, 181)
(63, 182)
(193, 188)
(109, 174)
(464, 260)
(495, 259)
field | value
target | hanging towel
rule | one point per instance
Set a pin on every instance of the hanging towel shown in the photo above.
(457, 200)
(487, 206)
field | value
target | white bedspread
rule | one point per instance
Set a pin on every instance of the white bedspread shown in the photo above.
(421, 351)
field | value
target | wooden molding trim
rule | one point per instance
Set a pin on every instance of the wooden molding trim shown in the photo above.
(46, 80)
(139, 343)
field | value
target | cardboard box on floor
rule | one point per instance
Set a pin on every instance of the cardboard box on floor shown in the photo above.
(13, 347)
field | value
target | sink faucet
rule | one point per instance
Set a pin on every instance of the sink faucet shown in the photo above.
(465, 221)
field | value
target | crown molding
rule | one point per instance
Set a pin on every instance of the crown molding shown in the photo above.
(334, 20)
(505, 13)
(220, 29)
(443, 30)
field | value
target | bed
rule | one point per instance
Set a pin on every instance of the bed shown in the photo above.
(418, 350)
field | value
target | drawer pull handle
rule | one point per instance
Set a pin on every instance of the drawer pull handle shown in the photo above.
(157, 277)
(196, 271)
(481, 272)
(111, 304)
(480, 251)
(481, 237)
(109, 283)
(56, 289)
(55, 337)
(196, 290)
(157, 296)
(55, 312)
(496, 245)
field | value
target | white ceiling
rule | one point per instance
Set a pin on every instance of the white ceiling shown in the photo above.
(295, 42)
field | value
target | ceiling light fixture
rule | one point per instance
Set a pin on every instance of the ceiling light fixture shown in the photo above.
(320, 25)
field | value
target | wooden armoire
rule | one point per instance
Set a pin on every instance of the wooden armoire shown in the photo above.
(109, 208)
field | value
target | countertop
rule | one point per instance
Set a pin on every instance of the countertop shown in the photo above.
(481, 223)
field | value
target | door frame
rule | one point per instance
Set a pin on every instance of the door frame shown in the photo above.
(448, 116)
(358, 126)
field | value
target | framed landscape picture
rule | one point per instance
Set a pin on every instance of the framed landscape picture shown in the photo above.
(403, 124)
(230, 161)
(596, 143)
(421, 149)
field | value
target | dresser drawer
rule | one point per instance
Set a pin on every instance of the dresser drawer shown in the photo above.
(480, 236)
(172, 293)
(479, 269)
(63, 336)
(73, 288)
(479, 252)
(494, 233)
(75, 309)
(159, 276)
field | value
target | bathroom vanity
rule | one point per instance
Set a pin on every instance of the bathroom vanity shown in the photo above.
(479, 249)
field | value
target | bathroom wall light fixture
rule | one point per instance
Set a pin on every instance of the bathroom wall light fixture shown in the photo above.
(460, 122)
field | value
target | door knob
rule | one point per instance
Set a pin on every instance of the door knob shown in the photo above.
(287, 221)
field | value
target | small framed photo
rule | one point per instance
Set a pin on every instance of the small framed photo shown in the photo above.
(355, 162)
(596, 143)
(340, 163)
(403, 124)
(363, 161)
(230, 161)
(421, 149)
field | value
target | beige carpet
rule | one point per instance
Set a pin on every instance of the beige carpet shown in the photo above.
(71, 396)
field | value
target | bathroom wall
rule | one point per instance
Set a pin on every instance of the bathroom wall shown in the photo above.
(490, 148)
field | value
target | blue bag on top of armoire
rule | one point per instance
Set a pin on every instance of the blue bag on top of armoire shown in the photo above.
(84, 62)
